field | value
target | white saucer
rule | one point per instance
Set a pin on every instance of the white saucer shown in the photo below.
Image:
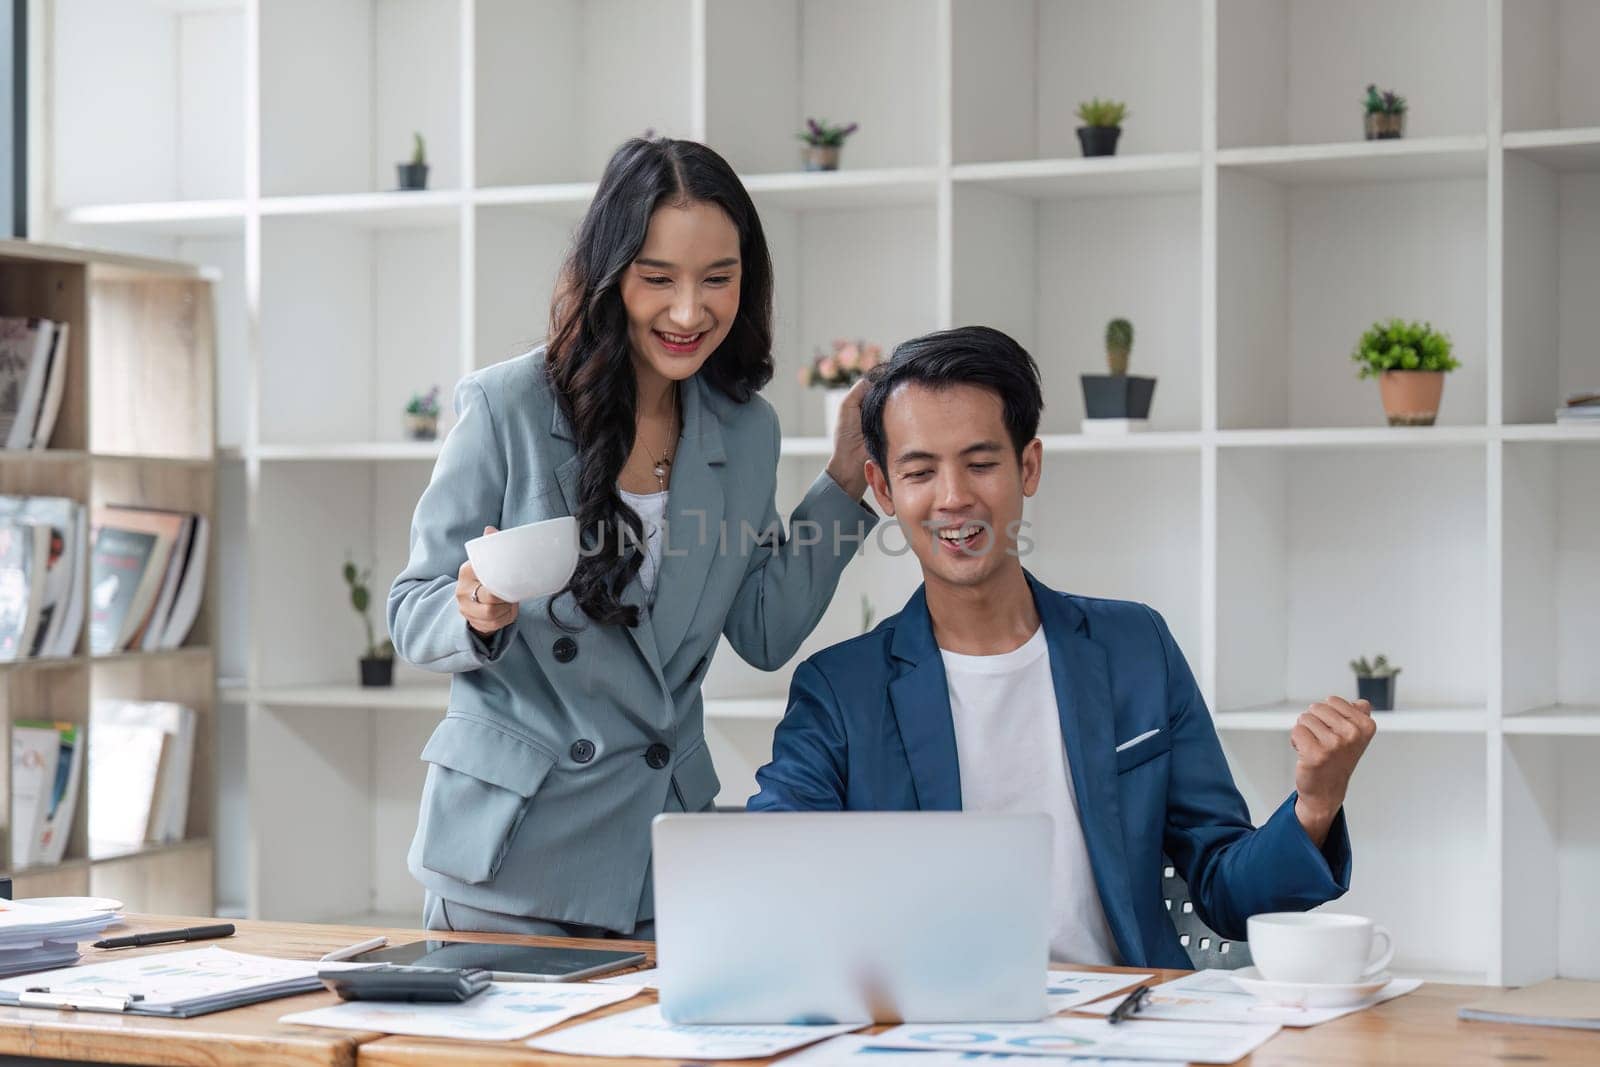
(1307, 994)
(86, 903)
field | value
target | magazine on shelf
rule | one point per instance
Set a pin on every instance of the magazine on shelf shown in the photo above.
(72, 622)
(24, 558)
(155, 627)
(143, 755)
(149, 567)
(35, 748)
(186, 607)
(61, 802)
(25, 346)
(60, 516)
(55, 388)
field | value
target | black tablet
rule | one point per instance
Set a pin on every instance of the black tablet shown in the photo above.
(508, 963)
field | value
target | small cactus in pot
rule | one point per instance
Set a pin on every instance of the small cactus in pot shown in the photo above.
(1119, 343)
(1119, 401)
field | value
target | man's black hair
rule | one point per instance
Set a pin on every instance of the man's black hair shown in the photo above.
(967, 355)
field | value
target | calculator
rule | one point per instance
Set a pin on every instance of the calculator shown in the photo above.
(392, 981)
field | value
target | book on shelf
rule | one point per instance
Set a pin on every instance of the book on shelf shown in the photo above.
(24, 562)
(141, 761)
(33, 358)
(147, 575)
(46, 768)
(41, 576)
(1581, 408)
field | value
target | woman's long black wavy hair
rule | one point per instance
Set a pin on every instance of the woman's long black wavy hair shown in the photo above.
(589, 358)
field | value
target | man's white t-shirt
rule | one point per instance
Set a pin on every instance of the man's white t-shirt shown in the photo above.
(1013, 759)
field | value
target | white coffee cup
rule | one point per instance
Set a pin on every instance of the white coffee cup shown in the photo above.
(527, 561)
(1319, 947)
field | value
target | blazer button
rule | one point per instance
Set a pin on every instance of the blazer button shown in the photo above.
(582, 750)
(657, 756)
(565, 650)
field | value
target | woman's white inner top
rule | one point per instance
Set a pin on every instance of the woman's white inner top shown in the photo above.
(652, 511)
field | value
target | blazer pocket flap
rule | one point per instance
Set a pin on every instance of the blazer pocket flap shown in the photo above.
(1143, 751)
(489, 753)
(695, 779)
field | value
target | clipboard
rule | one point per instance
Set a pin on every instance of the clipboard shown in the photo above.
(171, 985)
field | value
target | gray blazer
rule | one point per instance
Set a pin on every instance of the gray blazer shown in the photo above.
(560, 746)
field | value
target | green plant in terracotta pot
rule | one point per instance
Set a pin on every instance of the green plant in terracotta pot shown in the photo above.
(422, 415)
(1410, 360)
(823, 141)
(1385, 114)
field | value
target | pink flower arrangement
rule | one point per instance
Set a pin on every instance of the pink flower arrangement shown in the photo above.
(848, 361)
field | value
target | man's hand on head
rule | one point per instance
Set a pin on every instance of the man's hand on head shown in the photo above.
(1329, 739)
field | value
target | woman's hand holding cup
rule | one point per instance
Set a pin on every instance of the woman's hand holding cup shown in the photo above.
(484, 612)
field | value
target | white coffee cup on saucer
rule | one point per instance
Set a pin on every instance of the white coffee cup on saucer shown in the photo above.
(1322, 947)
(527, 561)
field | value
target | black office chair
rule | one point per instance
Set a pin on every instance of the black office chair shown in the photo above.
(1205, 948)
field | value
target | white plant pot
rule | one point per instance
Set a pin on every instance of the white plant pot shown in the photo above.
(832, 401)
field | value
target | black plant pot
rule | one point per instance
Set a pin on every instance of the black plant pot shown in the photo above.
(1379, 692)
(377, 672)
(412, 175)
(1117, 396)
(1099, 140)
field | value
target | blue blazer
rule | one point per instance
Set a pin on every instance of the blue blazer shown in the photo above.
(561, 742)
(868, 728)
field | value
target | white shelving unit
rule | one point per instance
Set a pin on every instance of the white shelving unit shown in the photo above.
(1280, 527)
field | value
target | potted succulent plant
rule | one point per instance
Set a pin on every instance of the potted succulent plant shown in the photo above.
(1102, 125)
(1386, 114)
(414, 175)
(1375, 681)
(823, 141)
(835, 372)
(377, 665)
(422, 415)
(1410, 360)
(1116, 396)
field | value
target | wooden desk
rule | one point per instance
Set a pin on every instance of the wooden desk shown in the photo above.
(1416, 1030)
(250, 1036)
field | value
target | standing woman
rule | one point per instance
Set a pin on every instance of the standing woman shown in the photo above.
(576, 719)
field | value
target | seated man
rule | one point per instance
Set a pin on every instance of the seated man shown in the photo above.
(991, 691)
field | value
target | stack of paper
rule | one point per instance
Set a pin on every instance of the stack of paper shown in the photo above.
(645, 1033)
(505, 1011)
(1581, 409)
(177, 984)
(1211, 997)
(1134, 1040)
(32, 938)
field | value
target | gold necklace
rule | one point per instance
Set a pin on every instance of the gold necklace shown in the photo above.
(660, 467)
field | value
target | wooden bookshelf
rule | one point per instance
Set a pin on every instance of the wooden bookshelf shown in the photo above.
(138, 427)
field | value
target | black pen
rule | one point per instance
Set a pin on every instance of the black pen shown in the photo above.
(1130, 1004)
(161, 937)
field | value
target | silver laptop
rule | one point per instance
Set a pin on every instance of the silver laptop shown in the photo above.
(852, 917)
